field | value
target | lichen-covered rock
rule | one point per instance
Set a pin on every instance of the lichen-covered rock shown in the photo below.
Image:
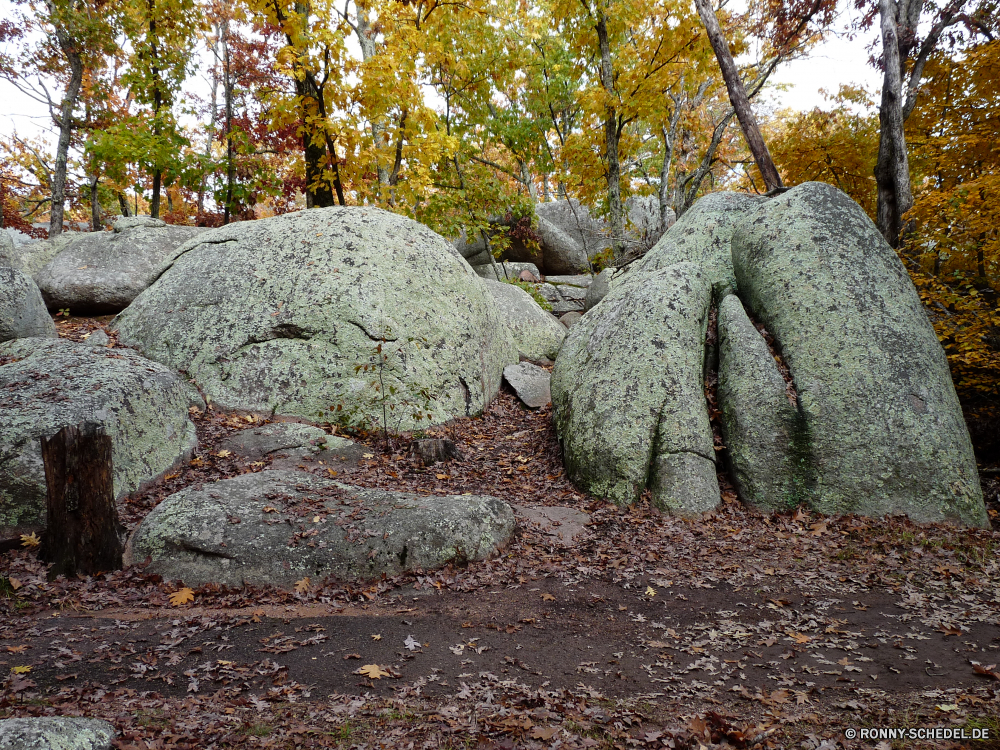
(761, 429)
(530, 382)
(102, 272)
(701, 236)
(314, 527)
(560, 253)
(22, 311)
(573, 219)
(538, 333)
(628, 394)
(506, 270)
(56, 733)
(47, 384)
(289, 444)
(883, 427)
(7, 254)
(598, 288)
(31, 257)
(566, 293)
(331, 312)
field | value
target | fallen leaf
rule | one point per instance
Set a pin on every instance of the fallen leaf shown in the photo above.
(650, 591)
(20, 670)
(14, 583)
(988, 671)
(376, 637)
(442, 476)
(548, 598)
(17, 649)
(543, 733)
(30, 540)
(302, 586)
(367, 455)
(800, 637)
(183, 596)
(351, 656)
(224, 454)
(372, 671)
(269, 509)
(411, 643)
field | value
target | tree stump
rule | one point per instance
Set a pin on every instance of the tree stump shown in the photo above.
(83, 535)
(431, 451)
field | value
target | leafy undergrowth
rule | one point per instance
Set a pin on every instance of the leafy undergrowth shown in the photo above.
(734, 630)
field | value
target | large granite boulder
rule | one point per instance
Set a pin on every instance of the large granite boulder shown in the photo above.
(102, 272)
(277, 527)
(573, 219)
(538, 333)
(883, 429)
(22, 311)
(566, 293)
(47, 384)
(628, 394)
(56, 733)
(561, 254)
(8, 257)
(701, 236)
(31, 257)
(762, 429)
(332, 313)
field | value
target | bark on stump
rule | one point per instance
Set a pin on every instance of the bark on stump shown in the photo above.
(432, 451)
(83, 534)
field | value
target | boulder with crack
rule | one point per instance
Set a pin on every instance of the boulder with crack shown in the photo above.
(628, 394)
(277, 527)
(47, 384)
(537, 332)
(102, 272)
(328, 314)
(882, 429)
(531, 383)
(22, 310)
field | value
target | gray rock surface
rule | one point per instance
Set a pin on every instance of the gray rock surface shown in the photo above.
(31, 257)
(701, 236)
(560, 252)
(628, 394)
(760, 427)
(574, 220)
(538, 333)
(56, 733)
(22, 310)
(563, 524)
(505, 270)
(7, 253)
(530, 382)
(97, 338)
(883, 427)
(47, 384)
(566, 293)
(642, 219)
(570, 318)
(275, 316)
(289, 444)
(276, 527)
(598, 288)
(102, 272)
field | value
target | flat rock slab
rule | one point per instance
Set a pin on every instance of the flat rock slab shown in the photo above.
(564, 523)
(291, 444)
(56, 733)
(332, 314)
(277, 527)
(47, 384)
(102, 272)
(530, 382)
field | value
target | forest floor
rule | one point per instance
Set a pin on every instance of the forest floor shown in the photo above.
(596, 627)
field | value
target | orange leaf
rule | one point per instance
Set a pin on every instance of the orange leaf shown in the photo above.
(183, 596)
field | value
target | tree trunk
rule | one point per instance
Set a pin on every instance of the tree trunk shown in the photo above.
(82, 535)
(213, 118)
(123, 204)
(366, 41)
(95, 206)
(227, 91)
(738, 97)
(154, 206)
(65, 125)
(892, 170)
(611, 137)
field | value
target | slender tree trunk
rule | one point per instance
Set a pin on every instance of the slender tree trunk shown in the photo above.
(611, 137)
(95, 206)
(738, 96)
(123, 204)
(528, 181)
(366, 41)
(65, 125)
(83, 535)
(154, 206)
(892, 170)
(214, 117)
(227, 91)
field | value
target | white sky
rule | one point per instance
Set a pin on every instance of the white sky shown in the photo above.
(836, 61)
